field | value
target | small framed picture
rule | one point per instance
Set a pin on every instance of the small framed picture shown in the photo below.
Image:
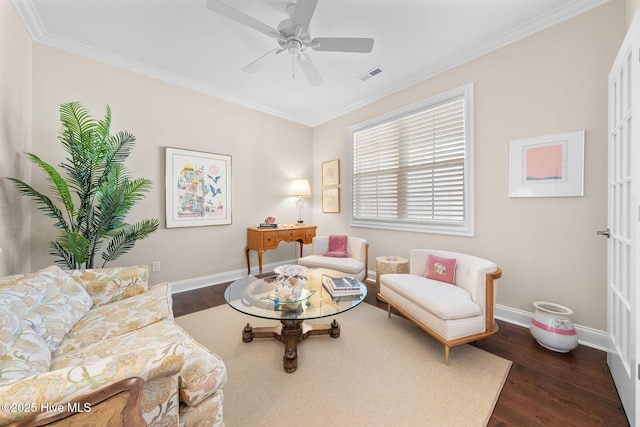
(330, 200)
(331, 173)
(547, 166)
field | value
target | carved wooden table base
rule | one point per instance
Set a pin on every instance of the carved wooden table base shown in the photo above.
(290, 333)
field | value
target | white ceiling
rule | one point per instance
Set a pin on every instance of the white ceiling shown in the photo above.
(183, 42)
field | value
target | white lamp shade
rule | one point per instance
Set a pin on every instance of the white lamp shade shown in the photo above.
(300, 188)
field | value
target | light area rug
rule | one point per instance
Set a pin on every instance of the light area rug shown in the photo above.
(379, 372)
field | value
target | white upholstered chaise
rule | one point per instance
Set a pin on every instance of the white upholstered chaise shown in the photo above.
(452, 313)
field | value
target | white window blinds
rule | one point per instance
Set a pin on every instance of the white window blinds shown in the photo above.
(409, 170)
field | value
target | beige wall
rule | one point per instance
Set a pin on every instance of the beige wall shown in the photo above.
(15, 137)
(554, 81)
(632, 7)
(267, 152)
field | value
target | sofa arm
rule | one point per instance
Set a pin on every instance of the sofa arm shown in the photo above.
(47, 391)
(115, 404)
(320, 245)
(106, 285)
(358, 248)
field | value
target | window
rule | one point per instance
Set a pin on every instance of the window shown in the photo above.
(412, 169)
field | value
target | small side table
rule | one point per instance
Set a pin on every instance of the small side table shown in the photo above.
(388, 265)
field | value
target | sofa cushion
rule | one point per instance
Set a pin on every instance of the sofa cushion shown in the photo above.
(106, 285)
(19, 294)
(118, 318)
(63, 304)
(22, 352)
(347, 265)
(440, 299)
(442, 269)
(49, 302)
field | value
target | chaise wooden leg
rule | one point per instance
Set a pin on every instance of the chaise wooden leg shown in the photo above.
(389, 310)
(446, 355)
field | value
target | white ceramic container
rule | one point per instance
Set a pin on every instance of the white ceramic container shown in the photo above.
(552, 327)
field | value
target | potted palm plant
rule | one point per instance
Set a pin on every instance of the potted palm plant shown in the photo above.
(94, 200)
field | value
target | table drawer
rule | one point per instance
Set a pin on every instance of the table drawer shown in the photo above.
(310, 233)
(269, 240)
(290, 235)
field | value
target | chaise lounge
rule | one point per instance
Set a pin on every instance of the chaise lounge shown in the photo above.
(448, 294)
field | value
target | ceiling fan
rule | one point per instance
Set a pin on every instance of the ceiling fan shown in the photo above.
(293, 36)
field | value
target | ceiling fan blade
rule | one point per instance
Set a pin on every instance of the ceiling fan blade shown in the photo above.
(309, 69)
(342, 44)
(261, 62)
(302, 13)
(242, 18)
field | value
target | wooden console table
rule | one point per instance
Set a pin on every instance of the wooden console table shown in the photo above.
(263, 239)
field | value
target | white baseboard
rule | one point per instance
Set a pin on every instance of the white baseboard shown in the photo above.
(216, 279)
(590, 337)
(586, 336)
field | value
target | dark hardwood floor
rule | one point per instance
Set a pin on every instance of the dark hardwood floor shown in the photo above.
(543, 388)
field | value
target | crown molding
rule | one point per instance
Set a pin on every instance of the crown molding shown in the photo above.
(27, 12)
(29, 16)
(546, 21)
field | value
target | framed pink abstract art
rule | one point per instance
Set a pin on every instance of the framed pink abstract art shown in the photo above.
(547, 166)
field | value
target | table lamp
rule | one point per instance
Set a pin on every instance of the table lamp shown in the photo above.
(300, 188)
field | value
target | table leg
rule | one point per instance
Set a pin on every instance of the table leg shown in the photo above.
(291, 334)
(260, 252)
(246, 252)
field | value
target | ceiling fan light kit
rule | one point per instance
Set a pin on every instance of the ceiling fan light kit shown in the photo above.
(292, 35)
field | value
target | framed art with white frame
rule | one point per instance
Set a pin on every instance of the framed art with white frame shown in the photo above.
(198, 188)
(547, 166)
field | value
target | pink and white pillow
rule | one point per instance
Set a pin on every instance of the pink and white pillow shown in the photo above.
(442, 269)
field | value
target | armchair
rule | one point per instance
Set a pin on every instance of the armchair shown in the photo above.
(356, 263)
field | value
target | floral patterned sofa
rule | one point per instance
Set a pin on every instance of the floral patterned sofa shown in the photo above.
(67, 334)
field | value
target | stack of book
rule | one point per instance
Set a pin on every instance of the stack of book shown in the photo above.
(268, 225)
(342, 286)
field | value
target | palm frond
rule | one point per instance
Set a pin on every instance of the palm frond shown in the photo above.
(111, 196)
(59, 184)
(103, 127)
(77, 127)
(134, 191)
(75, 244)
(65, 257)
(126, 237)
(120, 146)
(45, 204)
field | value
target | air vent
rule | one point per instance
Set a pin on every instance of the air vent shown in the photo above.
(373, 72)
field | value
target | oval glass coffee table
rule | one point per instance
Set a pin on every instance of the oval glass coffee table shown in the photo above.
(255, 297)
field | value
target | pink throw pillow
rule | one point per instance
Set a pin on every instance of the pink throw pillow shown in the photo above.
(337, 246)
(442, 269)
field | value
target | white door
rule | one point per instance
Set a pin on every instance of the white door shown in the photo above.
(623, 218)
